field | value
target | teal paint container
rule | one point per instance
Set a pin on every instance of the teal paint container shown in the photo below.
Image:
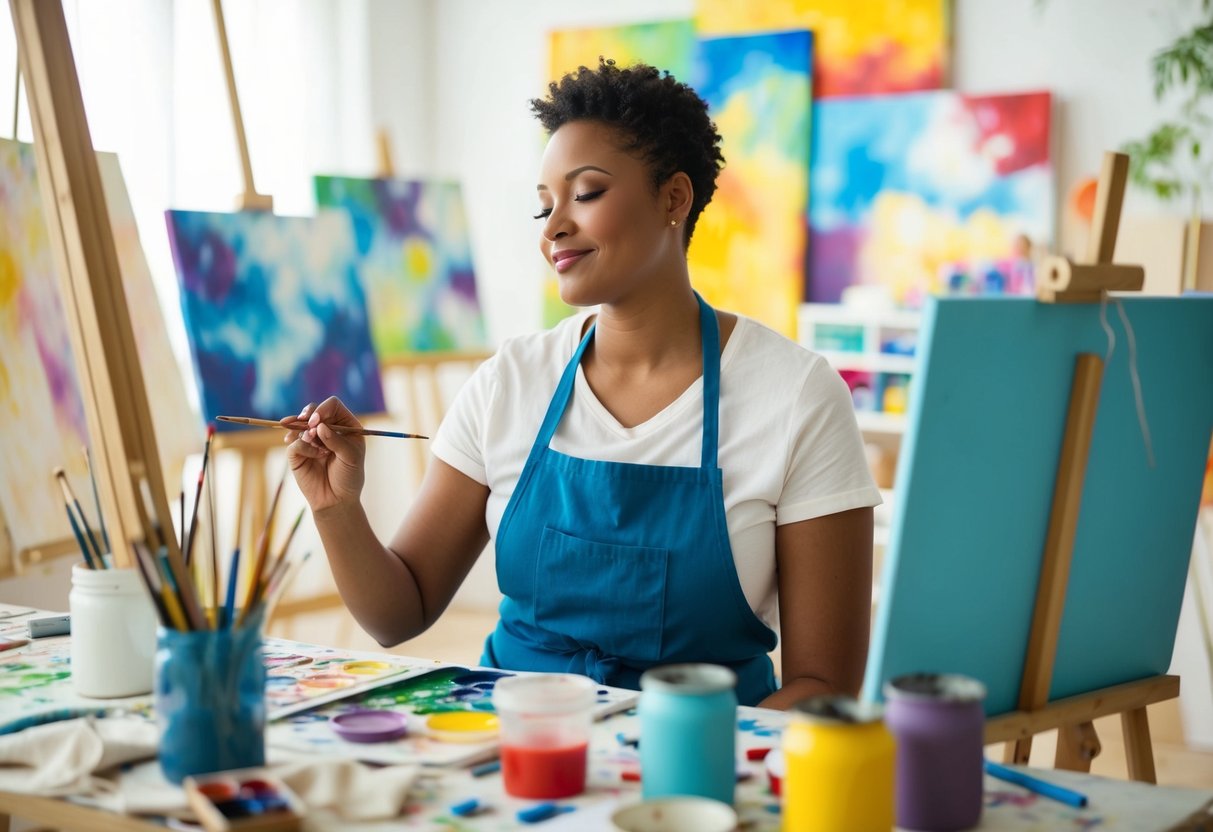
(209, 700)
(688, 731)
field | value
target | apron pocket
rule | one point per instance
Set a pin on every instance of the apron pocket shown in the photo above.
(602, 594)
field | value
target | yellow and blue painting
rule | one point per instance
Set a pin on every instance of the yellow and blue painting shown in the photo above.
(929, 193)
(668, 45)
(416, 263)
(860, 48)
(747, 253)
(275, 312)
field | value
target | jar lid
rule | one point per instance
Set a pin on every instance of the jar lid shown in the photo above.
(689, 679)
(544, 693)
(935, 687)
(837, 709)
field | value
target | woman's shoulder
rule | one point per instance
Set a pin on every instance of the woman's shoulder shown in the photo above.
(755, 348)
(533, 351)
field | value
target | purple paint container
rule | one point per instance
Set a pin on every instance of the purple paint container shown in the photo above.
(938, 723)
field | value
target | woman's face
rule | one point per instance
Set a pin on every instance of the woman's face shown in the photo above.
(604, 229)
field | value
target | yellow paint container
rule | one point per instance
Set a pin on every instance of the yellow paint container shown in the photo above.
(840, 760)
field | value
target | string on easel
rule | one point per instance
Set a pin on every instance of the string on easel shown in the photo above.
(1134, 376)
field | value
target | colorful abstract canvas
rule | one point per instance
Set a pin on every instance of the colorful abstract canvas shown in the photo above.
(876, 46)
(748, 248)
(275, 312)
(39, 396)
(38, 384)
(928, 192)
(668, 45)
(416, 263)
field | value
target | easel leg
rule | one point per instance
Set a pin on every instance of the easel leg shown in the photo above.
(4, 822)
(1139, 753)
(1017, 753)
(1077, 746)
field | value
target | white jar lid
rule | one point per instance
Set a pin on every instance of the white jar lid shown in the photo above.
(544, 693)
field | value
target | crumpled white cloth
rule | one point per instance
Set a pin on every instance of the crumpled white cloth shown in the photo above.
(81, 758)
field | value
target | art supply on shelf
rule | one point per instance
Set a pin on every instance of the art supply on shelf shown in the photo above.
(114, 634)
(1036, 785)
(370, 726)
(545, 733)
(688, 719)
(210, 700)
(50, 625)
(840, 760)
(340, 431)
(12, 643)
(674, 814)
(251, 800)
(938, 723)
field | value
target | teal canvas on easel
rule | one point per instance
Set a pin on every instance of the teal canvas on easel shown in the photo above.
(975, 488)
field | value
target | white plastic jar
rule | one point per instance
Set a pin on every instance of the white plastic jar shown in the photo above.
(113, 641)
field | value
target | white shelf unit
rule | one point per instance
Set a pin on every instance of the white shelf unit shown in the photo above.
(873, 350)
(865, 342)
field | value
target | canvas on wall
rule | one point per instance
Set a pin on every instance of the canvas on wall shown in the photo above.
(416, 263)
(928, 192)
(748, 250)
(667, 45)
(877, 46)
(39, 389)
(275, 312)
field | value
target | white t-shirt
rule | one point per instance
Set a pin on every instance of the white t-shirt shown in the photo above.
(789, 447)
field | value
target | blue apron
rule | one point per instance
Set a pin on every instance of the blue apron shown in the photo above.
(610, 568)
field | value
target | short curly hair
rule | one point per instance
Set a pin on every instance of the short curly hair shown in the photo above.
(662, 121)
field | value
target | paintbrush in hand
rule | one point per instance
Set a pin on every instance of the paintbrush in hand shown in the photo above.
(301, 426)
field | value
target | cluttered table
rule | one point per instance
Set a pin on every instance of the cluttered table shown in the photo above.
(75, 763)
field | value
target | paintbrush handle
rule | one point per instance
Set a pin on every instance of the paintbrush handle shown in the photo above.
(340, 431)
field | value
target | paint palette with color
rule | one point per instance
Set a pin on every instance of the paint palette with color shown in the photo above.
(246, 800)
(300, 676)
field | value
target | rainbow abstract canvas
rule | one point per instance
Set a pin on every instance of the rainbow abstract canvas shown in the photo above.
(416, 263)
(39, 395)
(920, 192)
(38, 383)
(748, 248)
(275, 312)
(667, 45)
(873, 46)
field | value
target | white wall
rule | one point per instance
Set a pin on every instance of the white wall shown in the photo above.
(489, 58)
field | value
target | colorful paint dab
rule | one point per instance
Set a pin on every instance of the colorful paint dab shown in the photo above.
(747, 252)
(877, 46)
(275, 312)
(415, 263)
(928, 192)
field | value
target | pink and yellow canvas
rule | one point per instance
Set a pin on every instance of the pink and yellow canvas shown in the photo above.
(748, 250)
(39, 391)
(873, 46)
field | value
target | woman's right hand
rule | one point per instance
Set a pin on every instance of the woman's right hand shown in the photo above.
(329, 467)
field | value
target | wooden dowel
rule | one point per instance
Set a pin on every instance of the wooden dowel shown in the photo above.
(1109, 198)
(16, 97)
(383, 148)
(1059, 540)
(250, 200)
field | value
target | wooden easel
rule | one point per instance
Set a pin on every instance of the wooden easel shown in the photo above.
(126, 459)
(1063, 281)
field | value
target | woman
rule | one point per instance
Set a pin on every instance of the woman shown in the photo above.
(655, 475)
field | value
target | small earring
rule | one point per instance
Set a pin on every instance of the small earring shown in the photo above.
(673, 223)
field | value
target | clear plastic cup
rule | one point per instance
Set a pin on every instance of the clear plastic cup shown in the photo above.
(545, 733)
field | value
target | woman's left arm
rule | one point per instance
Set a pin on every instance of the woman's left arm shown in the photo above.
(825, 604)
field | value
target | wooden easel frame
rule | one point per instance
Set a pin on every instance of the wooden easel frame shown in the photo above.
(126, 459)
(1077, 743)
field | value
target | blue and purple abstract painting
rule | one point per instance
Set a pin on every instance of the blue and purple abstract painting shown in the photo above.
(924, 193)
(275, 312)
(416, 263)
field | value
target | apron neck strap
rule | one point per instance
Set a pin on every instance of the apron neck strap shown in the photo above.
(709, 331)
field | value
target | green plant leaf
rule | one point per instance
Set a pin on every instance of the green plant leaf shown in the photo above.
(1189, 60)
